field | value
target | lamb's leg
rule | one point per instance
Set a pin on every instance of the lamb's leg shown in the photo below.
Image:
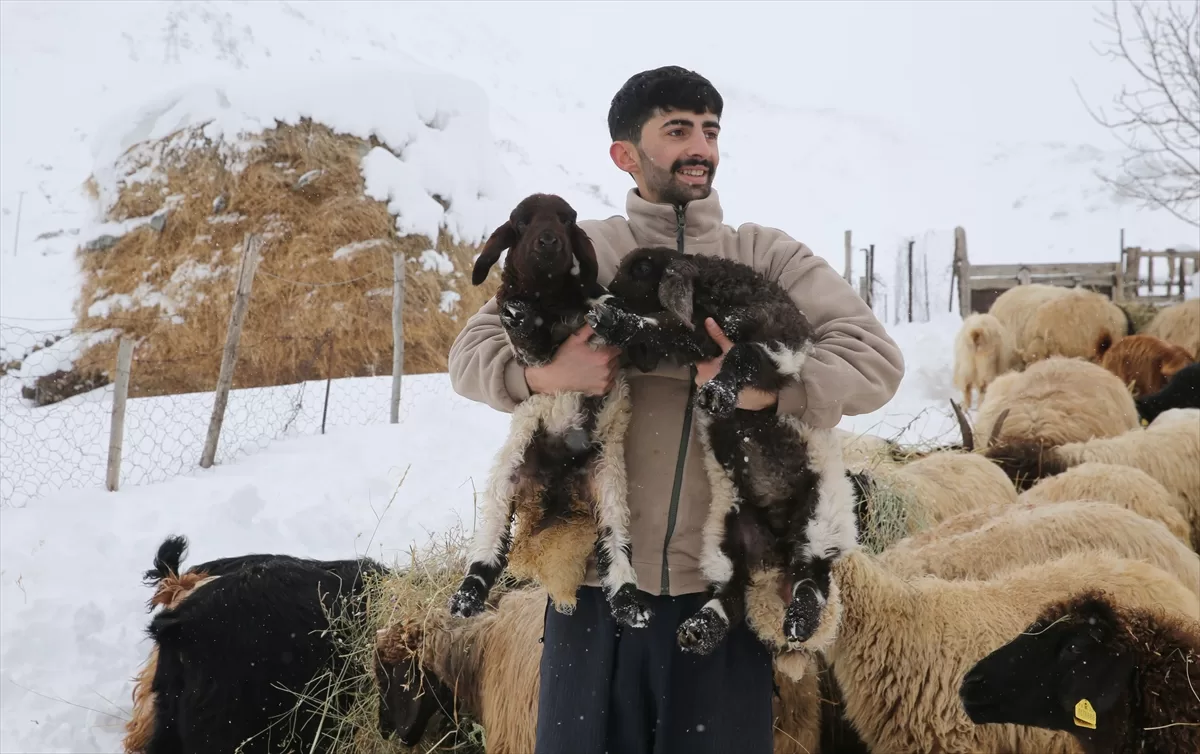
(726, 606)
(529, 336)
(746, 364)
(661, 332)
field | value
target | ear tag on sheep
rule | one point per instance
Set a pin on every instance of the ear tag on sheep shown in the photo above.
(1085, 716)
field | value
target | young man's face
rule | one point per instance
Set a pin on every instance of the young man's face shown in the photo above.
(677, 158)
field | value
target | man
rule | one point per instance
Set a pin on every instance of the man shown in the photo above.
(633, 691)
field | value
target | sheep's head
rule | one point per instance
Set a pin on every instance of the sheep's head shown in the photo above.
(545, 242)
(409, 693)
(656, 278)
(1067, 671)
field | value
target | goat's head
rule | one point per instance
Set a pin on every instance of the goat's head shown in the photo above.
(651, 279)
(409, 693)
(546, 243)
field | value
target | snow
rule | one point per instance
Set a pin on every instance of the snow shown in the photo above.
(910, 129)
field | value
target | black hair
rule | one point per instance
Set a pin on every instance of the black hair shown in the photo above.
(666, 88)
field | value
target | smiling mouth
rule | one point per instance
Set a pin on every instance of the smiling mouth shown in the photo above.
(694, 174)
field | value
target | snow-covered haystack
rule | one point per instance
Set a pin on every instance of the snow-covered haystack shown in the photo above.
(336, 171)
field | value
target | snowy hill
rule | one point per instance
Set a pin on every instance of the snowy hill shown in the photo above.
(898, 123)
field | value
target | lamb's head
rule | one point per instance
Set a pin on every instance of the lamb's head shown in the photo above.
(656, 278)
(409, 693)
(1067, 671)
(546, 245)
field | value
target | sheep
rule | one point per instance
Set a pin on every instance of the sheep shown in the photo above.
(780, 496)
(489, 670)
(983, 350)
(904, 645)
(1178, 324)
(1056, 400)
(1079, 324)
(1027, 533)
(1182, 391)
(1125, 486)
(232, 657)
(1120, 678)
(1015, 307)
(561, 471)
(171, 586)
(1168, 450)
(1145, 362)
(863, 447)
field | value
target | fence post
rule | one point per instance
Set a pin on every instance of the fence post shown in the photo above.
(910, 281)
(116, 432)
(849, 259)
(397, 331)
(237, 317)
(964, 271)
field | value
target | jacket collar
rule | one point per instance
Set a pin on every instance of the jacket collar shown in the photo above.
(656, 223)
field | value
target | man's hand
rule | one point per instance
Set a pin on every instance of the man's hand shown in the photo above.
(577, 366)
(750, 399)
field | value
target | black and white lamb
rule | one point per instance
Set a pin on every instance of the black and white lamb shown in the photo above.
(780, 496)
(561, 471)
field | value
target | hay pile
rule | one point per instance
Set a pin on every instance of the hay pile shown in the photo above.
(321, 299)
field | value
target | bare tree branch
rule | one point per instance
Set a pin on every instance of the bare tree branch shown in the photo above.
(1159, 123)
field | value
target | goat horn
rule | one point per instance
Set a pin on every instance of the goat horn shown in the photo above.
(968, 436)
(999, 423)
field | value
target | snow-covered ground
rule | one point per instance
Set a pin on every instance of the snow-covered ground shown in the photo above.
(896, 121)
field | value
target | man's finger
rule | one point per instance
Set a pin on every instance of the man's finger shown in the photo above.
(583, 333)
(717, 334)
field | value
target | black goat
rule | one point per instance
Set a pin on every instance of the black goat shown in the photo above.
(780, 497)
(1182, 391)
(561, 471)
(244, 658)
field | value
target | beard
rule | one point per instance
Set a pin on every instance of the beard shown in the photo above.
(670, 190)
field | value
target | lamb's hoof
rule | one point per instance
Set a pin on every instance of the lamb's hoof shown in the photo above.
(469, 599)
(629, 608)
(602, 319)
(517, 317)
(802, 617)
(701, 633)
(717, 399)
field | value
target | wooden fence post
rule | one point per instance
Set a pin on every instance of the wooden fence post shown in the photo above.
(964, 271)
(251, 247)
(116, 433)
(397, 331)
(910, 281)
(849, 259)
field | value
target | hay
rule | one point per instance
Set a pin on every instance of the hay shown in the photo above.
(321, 299)
(1139, 312)
(893, 512)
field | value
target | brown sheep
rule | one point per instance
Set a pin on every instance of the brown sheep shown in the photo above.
(1145, 362)
(1055, 401)
(983, 350)
(1178, 324)
(1081, 324)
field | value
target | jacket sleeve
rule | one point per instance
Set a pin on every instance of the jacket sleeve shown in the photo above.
(481, 363)
(855, 367)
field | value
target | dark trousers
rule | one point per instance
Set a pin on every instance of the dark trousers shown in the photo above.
(606, 689)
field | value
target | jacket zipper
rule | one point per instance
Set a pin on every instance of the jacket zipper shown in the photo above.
(680, 218)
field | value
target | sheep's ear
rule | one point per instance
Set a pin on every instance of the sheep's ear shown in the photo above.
(585, 253)
(502, 238)
(677, 289)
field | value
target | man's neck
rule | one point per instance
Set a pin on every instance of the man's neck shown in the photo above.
(658, 221)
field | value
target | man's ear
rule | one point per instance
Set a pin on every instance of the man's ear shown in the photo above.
(624, 156)
(677, 289)
(502, 238)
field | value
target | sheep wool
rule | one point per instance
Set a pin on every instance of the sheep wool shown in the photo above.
(1016, 306)
(983, 350)
(1080, 324)
(1179, 324)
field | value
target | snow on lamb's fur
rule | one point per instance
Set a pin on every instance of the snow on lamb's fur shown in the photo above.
(904, 644)
(1029, 533)
(1080, 324)
(1145, 362)
(983, 350)
(1178, 324)
(1055, 401)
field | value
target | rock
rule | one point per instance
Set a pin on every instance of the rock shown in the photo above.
(307, 178)
(159, 220)
(100, 244)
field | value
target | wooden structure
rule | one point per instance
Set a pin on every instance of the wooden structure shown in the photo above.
(979, 285)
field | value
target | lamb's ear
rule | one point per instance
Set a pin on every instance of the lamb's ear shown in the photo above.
(585, 253)
(677, 289)
(502, 238)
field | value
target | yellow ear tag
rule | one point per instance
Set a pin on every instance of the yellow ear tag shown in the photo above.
(1085, 716)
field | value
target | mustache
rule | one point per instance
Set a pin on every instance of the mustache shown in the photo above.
(681, 164)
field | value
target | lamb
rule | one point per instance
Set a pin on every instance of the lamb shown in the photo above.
(1145, 362)
(172, 586)
(1056, 400)
(1015, 307)
(1028, 533)
(561, 471)
(1183, 391)
(233, 656)
(1120, 678)
(1080, 324)
(983, 350)
(904, 645)
(1168, 450)
(780, 495)
(1178, 324)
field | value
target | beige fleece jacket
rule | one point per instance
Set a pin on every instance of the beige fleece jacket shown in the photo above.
(856, 369)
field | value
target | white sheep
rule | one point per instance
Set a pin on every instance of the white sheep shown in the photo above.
(1016, 306)
(983, 350)
(1178, 324)
(1080, 324)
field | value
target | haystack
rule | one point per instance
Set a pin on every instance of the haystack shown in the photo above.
(321, 302)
